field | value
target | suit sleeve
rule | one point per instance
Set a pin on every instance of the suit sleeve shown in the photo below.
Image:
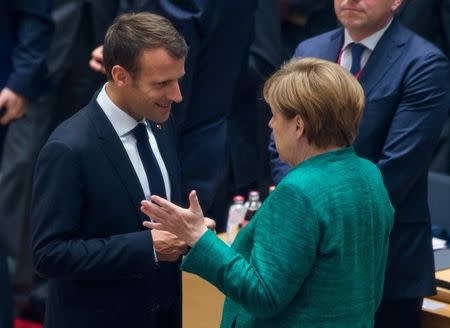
(33, 35)
(445, 19)
(281, 258)
(58, 248)
(416, 125)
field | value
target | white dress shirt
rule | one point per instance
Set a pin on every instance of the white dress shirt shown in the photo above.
(370, 42)
(123, 124)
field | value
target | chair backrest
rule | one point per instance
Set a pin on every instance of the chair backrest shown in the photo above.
(439, 199)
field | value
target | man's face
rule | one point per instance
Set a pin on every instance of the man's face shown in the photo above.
(152, 90)
(365, 17)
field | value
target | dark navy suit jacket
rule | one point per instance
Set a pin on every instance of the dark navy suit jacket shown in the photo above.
(87, 229)
(407, 103)
(25, 32)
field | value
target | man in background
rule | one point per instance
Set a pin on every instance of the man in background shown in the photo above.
(25, 32)
(405, 79)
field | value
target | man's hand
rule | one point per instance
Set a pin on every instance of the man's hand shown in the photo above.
(210, 224)
(14, 106)
(96, 62)
(168, 247)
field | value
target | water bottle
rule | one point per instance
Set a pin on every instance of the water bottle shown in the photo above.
(252, 205)
(236, 215)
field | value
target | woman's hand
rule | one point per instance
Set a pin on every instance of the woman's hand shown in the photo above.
(188, 224)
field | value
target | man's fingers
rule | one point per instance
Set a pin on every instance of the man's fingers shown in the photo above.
(7, 117)
(96, 66)
(153, 225)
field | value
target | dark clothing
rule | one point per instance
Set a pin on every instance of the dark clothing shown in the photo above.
(6, 296)
(306, 19)
(399, 314)
(25, 32)
(428, 18)
(77, 32)
(431, 20)
(88, 238)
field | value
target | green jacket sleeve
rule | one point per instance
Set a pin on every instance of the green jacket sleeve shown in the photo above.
(285, 237)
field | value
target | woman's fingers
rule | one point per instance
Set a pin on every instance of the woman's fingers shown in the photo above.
(194, 205)
(154, 211)
(164, 204)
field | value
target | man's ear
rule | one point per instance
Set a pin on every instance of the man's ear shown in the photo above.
(119, 75)
(395, 5)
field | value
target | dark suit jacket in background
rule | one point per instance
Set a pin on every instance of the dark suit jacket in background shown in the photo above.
(428, 18)
(407, 102)
(431, 20)
(307, 18)
(25, 32)
(87, 229)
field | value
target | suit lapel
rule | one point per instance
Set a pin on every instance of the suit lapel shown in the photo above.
(386, 53)
(118, 157)
(333, 49)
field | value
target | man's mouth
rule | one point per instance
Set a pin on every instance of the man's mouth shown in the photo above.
(351, 9)
(163, 106)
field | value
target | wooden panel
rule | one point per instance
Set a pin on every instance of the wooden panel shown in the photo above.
(202, 303)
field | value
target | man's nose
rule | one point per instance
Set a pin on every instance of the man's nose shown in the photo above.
(175, 93)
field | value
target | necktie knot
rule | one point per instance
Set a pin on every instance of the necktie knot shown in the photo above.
(357, 50)
(140, 133)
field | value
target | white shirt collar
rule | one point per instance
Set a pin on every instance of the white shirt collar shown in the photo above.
(120, 120)
(370, 42)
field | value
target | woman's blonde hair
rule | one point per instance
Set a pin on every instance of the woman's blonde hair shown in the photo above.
(326, 96)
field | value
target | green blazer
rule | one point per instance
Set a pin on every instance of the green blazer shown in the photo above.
(313, 255)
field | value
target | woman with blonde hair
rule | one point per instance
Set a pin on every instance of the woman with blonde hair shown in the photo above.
(314, 254)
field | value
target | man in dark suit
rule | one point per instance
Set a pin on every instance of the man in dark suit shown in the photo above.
(218, 34)
(104, 269)
(407, 101)
(25, 32)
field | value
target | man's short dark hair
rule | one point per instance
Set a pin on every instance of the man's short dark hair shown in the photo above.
(130, 34)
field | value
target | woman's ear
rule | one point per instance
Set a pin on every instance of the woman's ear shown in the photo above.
(299, 126)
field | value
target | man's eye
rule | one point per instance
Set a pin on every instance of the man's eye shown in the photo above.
(163, 83)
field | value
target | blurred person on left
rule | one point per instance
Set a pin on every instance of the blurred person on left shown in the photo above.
(324, 228)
